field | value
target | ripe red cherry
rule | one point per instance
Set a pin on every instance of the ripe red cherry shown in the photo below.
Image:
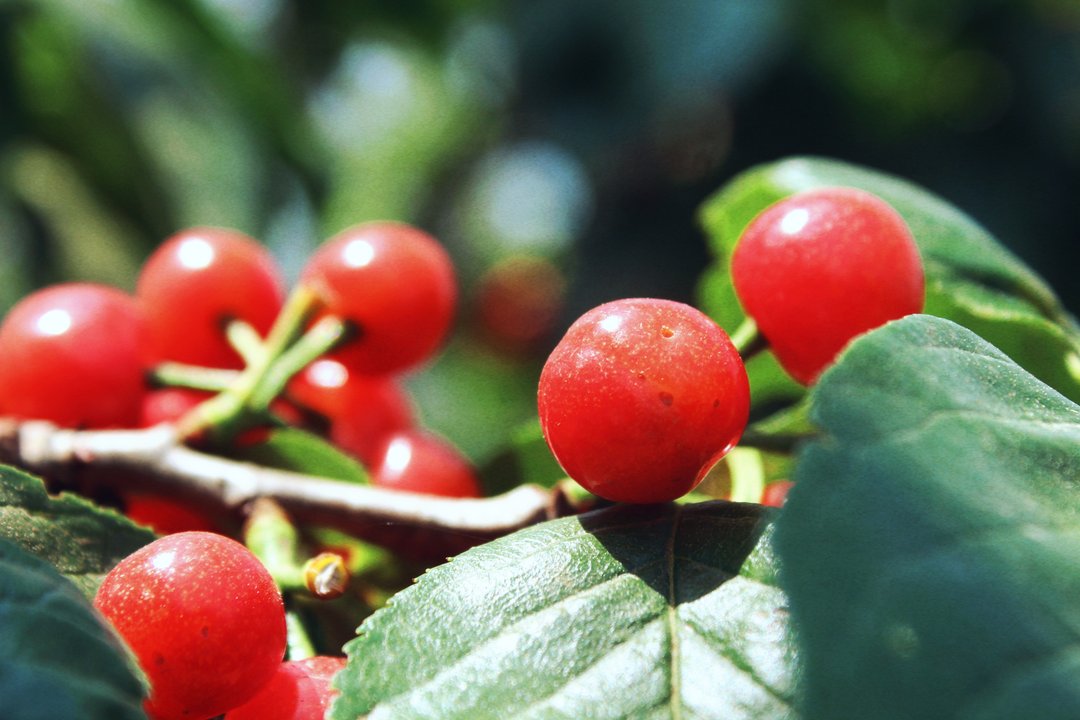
(169, 404)
(164, 515)
(395, 283)
(202, 616)
(641, 397)
(74, 354)
(363, 409)
(420, 462)
(299, 690)
(195, 282)
(820, 267)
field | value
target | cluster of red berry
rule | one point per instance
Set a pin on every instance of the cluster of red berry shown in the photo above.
(642, 397)
(80, 355)
(206, 623)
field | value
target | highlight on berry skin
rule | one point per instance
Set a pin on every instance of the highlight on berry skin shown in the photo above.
(818, 268)
(641, 397)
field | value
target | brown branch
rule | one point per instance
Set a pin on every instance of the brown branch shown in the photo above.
(420, 526)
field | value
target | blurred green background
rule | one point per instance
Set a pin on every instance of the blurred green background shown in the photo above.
(578, 135)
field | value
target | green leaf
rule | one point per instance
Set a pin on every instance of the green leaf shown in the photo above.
(970, 277)
(83, 541)
(931, 544)
(300, 451)
(629, 612)
(526, 459)
(57, 659)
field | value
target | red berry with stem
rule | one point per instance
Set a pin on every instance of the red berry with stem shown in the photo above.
(395, 284)
(420, 462)
(167, 405)
(198, 280)
(202, 616)
(822, 266)
(74, 354)
(641, 397)
(299, 690)
(363, 410)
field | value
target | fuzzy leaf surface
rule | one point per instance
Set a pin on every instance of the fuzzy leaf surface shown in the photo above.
(628, 612)
(82, 540)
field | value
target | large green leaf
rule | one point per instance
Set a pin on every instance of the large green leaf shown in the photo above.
(630, 612)
(80, 539)
(931, 545)
(971, 278)
(57, 659)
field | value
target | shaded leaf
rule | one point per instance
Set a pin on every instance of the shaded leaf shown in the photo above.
(931, 546)
(629, 612)
(57, 659)
(83, 541)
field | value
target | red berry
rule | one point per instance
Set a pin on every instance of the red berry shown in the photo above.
(641, 397)
(820, 267)
(518, 302)
(299, 690)
(74, 354)
(165, 516)
(420, 462)
(197, 281)
(363, 410)
(775, 493)
(168, 405)
(202, 616)
(395, 284)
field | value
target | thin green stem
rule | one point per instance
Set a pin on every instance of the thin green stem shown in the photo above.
(317, 341)
(747, 474)
(232, 410)
(245, 340)
(748, 340)
(171, 374)
(270, 534)
(297, 640)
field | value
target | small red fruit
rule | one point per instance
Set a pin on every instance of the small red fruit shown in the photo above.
(822, 266)
(641, 397)
(420, 462)
(202, 616)
(198, 280)
(74, 354)
(299, 690)
(363, 410)
(395, 284)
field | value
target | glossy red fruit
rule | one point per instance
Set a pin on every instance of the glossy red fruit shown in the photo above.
(165, 516)
(169, 404)
(822, 266)
(299, 690)
(363, 410)
(195, 282)
(517, 304)
(421, 462)
(641, 397)
(395, 284)
(202, 616)
(74, 354)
